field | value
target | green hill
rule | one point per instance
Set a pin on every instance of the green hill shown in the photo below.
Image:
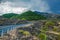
(29, 15)
(9, 15)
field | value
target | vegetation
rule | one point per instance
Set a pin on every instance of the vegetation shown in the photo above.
(29, 15)
(55, 28)
(41, 29)
(26, 33)
(9, 15)
(49, 23)
(42, 36)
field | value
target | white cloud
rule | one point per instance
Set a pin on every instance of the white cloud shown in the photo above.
(6, 7)
(40, 5)
(18, 6)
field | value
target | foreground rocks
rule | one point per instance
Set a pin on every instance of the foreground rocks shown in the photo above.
(32, 32)
(6, 21)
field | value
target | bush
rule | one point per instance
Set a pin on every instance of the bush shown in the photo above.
(42, 36)
(49, 23)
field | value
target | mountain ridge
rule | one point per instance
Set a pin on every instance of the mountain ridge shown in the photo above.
(32, 13)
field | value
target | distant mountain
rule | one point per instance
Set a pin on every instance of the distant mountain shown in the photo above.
(42, 13)
(28, 15)
(32, 15)
(49, 15)
(9, 15)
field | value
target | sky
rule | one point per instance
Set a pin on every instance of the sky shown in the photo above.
(19, 6)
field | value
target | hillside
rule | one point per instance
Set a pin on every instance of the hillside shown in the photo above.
(32, 15)
(29, 15)
(49, 15)
(9, 15)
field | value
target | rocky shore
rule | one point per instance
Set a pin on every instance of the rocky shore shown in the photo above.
(5, 21)
(38, 31)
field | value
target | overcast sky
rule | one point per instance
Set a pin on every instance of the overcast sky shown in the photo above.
(18, 6)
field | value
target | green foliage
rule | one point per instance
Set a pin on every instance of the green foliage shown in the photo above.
(23, 19)
(45, 29)
(26, 33)
(29, 15)
(58, 38)
(21, 30)
(15, 17)
(9, 15)
(49, 23)
(55, 28)
(42, 36)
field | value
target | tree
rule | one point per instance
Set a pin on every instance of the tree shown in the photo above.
(28, 15)
(9, 15)
(23, 19)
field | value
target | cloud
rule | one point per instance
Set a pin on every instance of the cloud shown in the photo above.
(18, 6)
(7, 7)
(40, 5)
